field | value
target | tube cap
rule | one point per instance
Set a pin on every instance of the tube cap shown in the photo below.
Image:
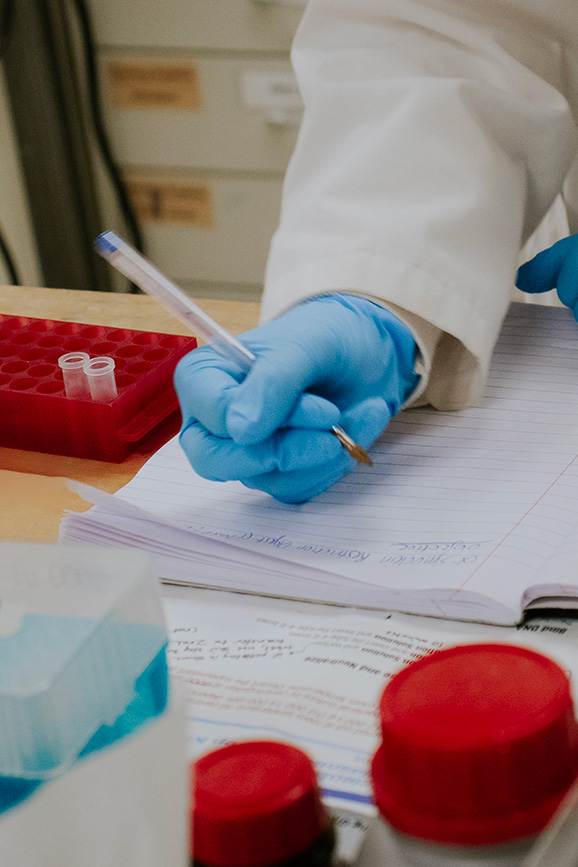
(480, 744)
(255, 803)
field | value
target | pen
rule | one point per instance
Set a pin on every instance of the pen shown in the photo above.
(139, 270)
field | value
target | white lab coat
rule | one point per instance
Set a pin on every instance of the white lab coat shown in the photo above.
(436, 135)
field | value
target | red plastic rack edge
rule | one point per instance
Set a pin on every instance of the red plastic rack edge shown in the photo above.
(35, 413)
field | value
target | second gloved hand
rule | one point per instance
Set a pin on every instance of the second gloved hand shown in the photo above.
(554, 268)
(334, 360)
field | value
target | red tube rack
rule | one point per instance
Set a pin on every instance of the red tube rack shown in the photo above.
(35, 413)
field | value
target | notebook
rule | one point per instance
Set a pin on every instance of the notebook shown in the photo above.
(471, 515)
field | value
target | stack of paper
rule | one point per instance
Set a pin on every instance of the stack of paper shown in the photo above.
(470, 515)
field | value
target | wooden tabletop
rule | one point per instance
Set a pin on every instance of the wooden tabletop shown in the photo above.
(33, 492)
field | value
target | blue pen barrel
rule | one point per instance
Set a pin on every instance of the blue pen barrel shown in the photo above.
(147, 277)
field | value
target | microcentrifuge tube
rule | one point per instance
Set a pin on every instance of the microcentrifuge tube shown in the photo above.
(75, 380)
(101, 382)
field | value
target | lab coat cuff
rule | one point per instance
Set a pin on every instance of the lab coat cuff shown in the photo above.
(426, 336)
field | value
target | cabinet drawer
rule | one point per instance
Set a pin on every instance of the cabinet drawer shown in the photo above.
(237, 25)
(228, 114)
(225, 241)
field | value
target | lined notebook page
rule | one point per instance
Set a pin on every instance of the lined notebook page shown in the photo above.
(478, 499)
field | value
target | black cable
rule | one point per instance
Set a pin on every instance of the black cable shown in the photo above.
(94, 95)
(9, 262)
(6, 19)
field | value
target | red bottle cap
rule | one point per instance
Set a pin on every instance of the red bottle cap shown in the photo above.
(254, 804)
(480, 743)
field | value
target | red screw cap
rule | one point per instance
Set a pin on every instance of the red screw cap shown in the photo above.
(254, 804)
(480, 743)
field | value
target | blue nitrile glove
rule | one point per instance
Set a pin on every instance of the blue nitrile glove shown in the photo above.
(333, 360)
(554, 268)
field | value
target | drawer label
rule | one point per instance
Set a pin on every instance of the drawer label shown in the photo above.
(162, 201)
(151, 85)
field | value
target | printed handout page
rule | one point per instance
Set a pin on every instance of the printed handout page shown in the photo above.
(460, 515)
(312, 675)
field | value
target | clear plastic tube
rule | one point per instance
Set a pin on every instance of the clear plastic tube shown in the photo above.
(101, 382)
(75, 380)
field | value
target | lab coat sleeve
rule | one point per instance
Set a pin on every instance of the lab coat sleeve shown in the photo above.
(570, 197)
(436, 135)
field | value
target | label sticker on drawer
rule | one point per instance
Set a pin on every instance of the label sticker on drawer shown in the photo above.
(165, 201)
(274, 92)
(152, 85)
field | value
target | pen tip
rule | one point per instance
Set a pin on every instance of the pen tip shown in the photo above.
(352, 448)
(360, 455)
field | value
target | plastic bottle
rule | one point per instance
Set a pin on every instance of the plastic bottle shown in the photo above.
(92, 733)
(479, 746)
(257, 804)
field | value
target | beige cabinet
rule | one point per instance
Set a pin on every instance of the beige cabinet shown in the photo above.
(217, 240)
(219, 25)
(199, 96)
(244, 112)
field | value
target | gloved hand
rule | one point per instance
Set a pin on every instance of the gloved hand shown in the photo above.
(333, 360)
(554, 268)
